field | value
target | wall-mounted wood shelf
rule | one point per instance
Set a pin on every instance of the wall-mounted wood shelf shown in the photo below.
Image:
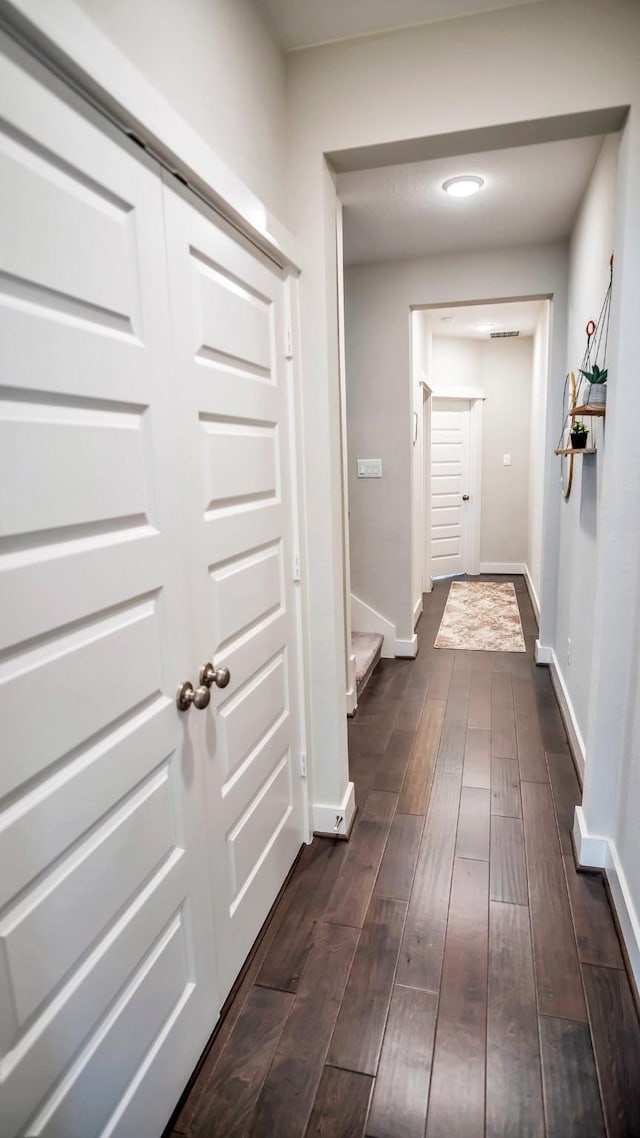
(577, 450)
(597, 411)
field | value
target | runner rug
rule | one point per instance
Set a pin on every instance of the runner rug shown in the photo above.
(481, 615)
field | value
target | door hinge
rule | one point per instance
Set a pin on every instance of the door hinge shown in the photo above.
(303, 765)
(297, 568)
(288, 343)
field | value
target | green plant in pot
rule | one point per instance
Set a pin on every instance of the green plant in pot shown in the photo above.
(579, 432)
(596, 378)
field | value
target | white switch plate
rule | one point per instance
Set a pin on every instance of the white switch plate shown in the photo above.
(506, 460)
(369, 467)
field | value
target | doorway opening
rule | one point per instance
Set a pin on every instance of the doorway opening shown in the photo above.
(410, 249)
(479, 378)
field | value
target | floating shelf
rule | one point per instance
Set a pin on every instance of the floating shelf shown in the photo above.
(577, 450)
(597, 411)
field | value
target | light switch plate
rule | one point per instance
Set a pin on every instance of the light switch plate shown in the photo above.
(369, 467)
(506, 460)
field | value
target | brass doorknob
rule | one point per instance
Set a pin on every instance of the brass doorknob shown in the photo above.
(200, 698)
(218, 676)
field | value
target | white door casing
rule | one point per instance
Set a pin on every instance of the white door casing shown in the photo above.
(112, 825)
(229, 317)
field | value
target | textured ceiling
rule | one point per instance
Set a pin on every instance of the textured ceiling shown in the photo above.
(303, 23)
(459, 321)
(531, 196)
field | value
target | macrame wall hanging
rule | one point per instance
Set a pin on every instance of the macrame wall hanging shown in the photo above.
(585, 398)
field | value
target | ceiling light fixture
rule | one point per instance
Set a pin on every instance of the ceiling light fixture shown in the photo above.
(484, 326)
(464, 186)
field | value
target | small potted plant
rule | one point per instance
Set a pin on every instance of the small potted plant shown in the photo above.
(596, 378)
(579, 432)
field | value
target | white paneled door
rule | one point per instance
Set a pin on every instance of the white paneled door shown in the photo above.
(144, 530)
(229, 314)
(450, 474)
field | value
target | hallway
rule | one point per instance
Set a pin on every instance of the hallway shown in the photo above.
(446, 971)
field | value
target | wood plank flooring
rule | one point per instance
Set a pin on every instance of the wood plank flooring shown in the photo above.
(446, 973)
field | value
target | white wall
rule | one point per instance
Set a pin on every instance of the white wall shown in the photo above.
(538, 457)
(506, 381)
(420, 350)
(378, 302)
(216, 62)
(581, 516)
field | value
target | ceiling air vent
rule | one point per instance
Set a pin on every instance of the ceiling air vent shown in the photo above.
(502, 335)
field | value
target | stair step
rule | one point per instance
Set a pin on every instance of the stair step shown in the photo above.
(367, 649)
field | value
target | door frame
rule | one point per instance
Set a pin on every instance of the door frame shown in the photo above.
(475, 399)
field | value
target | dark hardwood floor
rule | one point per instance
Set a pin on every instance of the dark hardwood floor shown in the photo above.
(446, 973)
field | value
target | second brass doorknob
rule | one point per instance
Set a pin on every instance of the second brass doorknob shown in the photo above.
(218, 676)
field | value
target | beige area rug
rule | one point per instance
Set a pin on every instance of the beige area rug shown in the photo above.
(481, 615)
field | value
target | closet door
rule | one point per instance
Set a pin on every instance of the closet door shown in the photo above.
(107, 989)
(228, 307)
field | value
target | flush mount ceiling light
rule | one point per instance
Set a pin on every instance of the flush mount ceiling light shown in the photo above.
(484, 326)
(464, 186)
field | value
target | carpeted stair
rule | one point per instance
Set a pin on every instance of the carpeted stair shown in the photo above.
(367, 648)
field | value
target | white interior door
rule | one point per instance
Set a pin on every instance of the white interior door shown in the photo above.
(107, 994)
(229, 314)
(450, 474)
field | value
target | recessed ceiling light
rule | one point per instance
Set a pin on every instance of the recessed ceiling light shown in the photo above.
(464, 186)
(484, 326)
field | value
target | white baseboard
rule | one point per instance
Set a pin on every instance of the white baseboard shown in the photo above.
(533, 596)
(509, 567)
(542, 654)
(591, 849)
(351, 700)
(417, 613)
(628, 918)
(597, 852)
(407, 647)
(335, 821)
(576, 741)
(366, 619)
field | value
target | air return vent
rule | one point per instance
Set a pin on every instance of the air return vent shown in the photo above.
(502, 335)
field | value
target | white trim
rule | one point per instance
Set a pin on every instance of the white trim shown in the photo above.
(301, 588)
(475, 483)
(367, 619)
(628, 918)
(352, 694)
(324, 816)
(576, 741)
(510, 568)
(593, 851)
(590, 849)
(407, 648)
(350, 660)
(417, 612)
(542, 653)
(427, 581)
(470, 393)
(533, 596)
(83, 56)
